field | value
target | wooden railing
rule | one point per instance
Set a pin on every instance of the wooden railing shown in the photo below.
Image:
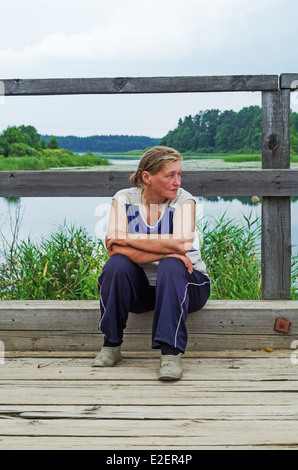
(275, 181)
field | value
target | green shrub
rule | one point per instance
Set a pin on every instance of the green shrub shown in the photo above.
(22, 150)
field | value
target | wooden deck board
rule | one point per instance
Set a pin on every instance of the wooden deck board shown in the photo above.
(226, 400)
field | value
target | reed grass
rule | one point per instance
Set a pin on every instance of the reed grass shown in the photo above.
(51, 158)
(251, 158)
(66, 264)
(242, 158)
(231, 251)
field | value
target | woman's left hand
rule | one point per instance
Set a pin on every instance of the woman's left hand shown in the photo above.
(185, 259)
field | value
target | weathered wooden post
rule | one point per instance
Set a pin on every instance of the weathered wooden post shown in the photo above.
(276, 211)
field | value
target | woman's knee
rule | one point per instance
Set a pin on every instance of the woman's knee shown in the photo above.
(171, 266)
(118, 265)
(118, 261)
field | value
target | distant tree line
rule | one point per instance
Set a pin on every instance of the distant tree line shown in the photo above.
(214, 131)
(209, 131)
(104, 143)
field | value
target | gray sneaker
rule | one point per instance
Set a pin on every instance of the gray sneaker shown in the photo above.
(107, 357)
(170, 367)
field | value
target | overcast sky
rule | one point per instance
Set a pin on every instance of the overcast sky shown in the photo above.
(112, 38)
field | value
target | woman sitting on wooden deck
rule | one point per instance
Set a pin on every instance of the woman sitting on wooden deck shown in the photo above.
(155, 261)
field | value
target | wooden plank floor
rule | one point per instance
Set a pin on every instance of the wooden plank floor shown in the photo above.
(226, 400)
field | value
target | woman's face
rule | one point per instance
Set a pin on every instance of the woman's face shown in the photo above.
(166, 182)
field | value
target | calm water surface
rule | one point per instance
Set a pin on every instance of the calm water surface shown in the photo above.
(40, 216)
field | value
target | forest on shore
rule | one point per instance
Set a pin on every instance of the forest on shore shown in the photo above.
(229, 134)
(22, 148)
(214, 131)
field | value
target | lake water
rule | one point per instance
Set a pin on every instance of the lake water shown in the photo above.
(40, 216)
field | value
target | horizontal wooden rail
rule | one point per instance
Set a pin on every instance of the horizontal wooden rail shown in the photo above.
(289, 81)
(73, 326)
(106, 183)
(75, 86)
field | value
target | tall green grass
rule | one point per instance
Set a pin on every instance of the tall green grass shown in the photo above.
(251, 158)
(65, 265)
(242, 158)
(231, 251)
(50, 158)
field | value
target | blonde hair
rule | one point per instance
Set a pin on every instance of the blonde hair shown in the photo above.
(153, 161)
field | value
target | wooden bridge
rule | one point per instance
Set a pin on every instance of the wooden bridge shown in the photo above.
(240, 385)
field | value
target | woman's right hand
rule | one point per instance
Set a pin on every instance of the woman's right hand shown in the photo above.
(119, 238)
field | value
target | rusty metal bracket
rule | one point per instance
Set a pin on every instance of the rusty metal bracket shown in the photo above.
(282, 325)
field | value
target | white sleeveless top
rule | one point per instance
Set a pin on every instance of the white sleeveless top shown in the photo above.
(131, 200)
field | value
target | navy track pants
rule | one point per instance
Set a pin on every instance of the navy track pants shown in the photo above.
(124, 287)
